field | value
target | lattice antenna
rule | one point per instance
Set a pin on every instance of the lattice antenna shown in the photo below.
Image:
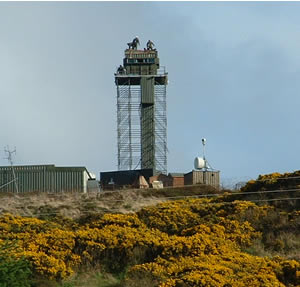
(10, 160)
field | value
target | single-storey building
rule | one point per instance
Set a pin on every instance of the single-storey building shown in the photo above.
(172, 179)
(208, 177)
(45, 178)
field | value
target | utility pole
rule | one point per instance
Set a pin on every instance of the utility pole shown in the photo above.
(9, 158)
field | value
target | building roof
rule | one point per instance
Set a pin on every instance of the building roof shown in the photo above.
(176, 174)
(43, 167)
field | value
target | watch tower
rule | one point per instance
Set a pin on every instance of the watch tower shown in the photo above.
(141, 110)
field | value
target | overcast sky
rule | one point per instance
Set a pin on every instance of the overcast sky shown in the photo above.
(234, 70)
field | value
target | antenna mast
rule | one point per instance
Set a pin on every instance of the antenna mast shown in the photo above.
(9, 158)
(203, 143)
(206, 165)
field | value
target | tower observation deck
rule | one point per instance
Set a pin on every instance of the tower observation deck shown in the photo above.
(141, 110)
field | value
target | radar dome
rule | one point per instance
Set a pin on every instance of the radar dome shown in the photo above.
(199, 163)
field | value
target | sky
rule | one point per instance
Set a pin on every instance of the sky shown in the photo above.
(234, 70)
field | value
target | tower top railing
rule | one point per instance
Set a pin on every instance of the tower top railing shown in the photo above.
(140, 54)
(159, 72)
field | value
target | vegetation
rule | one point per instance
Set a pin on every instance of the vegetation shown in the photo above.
(274, 181)
(195, 242)
(219, 241)
(14, 270)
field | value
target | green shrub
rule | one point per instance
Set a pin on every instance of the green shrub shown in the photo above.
(14, 272)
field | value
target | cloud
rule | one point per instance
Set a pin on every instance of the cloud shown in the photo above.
(233, 71)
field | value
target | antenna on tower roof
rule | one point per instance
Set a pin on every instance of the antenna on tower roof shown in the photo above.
(10, 160)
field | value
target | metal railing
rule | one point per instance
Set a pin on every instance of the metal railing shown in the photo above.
(159, 72)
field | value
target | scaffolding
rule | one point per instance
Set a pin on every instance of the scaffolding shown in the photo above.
(141, 112)
(129, 129)
(161, 128)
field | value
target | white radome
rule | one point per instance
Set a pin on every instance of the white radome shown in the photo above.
(199, 163)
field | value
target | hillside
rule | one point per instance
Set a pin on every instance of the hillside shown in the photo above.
(75, 205)
(165, 238)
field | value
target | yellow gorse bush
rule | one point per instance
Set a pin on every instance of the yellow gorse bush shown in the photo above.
(273, 181)
(129, 220)
(233, 269)
(48, 247)
(181, 243)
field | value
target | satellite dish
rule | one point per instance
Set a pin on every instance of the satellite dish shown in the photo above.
(199, 163)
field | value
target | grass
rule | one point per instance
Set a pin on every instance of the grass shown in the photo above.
(92, 278)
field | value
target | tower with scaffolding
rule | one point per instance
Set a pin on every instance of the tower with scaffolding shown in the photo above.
(141, 110)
